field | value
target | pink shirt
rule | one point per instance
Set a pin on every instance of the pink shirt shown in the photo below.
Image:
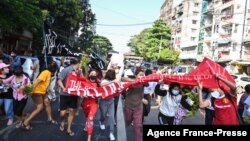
(15, 86)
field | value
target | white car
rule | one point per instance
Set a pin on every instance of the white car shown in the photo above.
(241, 82)
(183, 70)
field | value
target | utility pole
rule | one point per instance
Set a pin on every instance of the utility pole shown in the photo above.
(244, 22)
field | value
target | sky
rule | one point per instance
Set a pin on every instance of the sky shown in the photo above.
(124, 12)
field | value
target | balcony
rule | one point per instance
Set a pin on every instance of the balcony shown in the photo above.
(227, 19)
(210, 9)
(191, 54)
(227, 3)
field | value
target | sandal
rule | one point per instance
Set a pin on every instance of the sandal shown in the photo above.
(70, 133)
(52, 122)
(61, 128)
(19, 125)
(27, 127)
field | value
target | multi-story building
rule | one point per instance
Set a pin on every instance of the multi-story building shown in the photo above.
(221, 34)
(185, 23)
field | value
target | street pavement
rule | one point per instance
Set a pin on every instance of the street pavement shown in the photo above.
(44, 131)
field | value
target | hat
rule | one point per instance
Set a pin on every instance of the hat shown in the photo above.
(3, 65)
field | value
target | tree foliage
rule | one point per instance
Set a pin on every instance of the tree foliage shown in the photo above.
(102, 45)
(17, 15)
(154, 42)
(67, 15)
(87, 27)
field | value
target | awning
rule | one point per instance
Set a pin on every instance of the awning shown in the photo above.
(223, 42)
(240, 62)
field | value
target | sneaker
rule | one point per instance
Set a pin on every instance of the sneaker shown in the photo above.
(111, 137)
(10, 122)
(102, 126)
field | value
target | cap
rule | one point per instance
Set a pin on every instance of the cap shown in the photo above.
(3, 65)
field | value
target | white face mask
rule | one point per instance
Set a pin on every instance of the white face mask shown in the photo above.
(215, 94)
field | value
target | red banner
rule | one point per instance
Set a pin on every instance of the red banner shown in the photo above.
(205, 72)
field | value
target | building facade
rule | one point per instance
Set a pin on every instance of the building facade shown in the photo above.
(185, 23)
(218, 29)
(222, 34)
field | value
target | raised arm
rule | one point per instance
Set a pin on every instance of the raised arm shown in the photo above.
(202, 103)
(228, 83)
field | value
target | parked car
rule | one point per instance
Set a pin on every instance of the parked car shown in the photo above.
(184, 69)
(241, 82)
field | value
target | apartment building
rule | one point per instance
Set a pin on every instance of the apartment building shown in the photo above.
(185, 23)
(221, 35)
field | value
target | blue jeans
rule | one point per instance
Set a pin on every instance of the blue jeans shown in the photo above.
(8, 107)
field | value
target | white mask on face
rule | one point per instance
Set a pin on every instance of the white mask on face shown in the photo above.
(215, 94)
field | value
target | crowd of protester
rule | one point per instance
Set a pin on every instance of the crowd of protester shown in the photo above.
(220, 106)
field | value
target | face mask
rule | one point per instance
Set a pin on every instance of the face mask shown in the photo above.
(6, 70)
(175, 92)
(215, 94)
(92, 77)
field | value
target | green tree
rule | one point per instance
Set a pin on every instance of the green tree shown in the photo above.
(87, 27)
(102, 45)
(17, 15)
(67, 15)
(154, 43)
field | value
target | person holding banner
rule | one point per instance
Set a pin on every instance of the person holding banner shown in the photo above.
(171, 100)
(134, 100)
(107, 105)
(90, 106)
(68, 103)
(224, 103)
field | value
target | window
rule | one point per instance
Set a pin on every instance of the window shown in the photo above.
(193, 30)
(194, 21)
(196, 4)
(192, 38)
(247, 79)
(195, 13)
(236, 27)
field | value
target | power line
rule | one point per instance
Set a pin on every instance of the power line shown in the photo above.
(117, 12)
(136, 24)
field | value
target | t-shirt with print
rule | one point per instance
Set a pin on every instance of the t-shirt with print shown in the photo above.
(6, 91)
(63, 76)
(42, 87)
(225, 112)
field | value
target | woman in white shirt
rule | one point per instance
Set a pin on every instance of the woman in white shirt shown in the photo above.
(170, 101)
